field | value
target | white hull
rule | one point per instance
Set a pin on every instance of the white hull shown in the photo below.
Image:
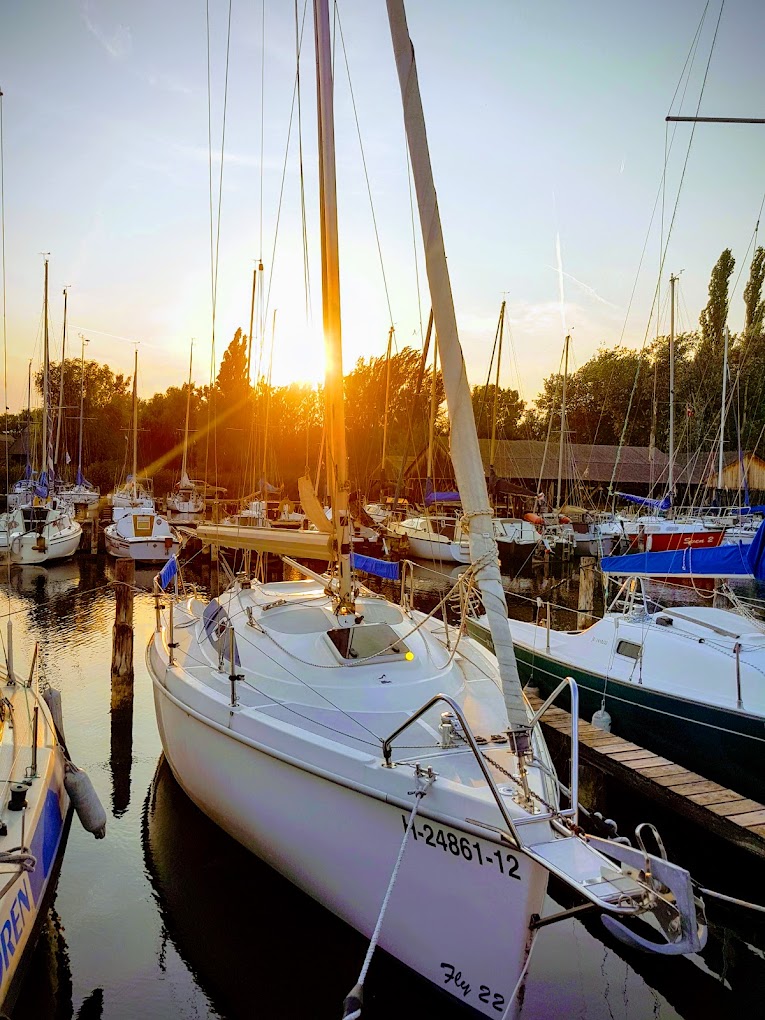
(432, 549)
(183, 504)
(346, 865)
(27, 548)
(143, 550)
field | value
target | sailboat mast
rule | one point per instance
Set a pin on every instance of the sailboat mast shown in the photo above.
(722, 414)
(387, 398)
(432, 423)
(184, 471)
(562, 421)
(671, 473)
(46, 395)
(79, 479)
(135, 428)
(466, 454)
(501, 330)
(337, 459)
(61, 386)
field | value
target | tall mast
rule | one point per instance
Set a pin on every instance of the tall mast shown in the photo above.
(387, 397)
(263, 476)
(135, 428)
(46, 466)
(337, 460)
(493, 450)
(79, 480)
(722, 414)
(432, 422)
(671, 475)
(466, 454)
(61, 386)
(562, 420)
(184, 471)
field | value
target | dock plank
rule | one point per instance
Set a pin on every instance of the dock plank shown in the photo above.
(714, 797)
(660, 767)
(753, 818)
(699, 785)
(628, 757)
(741, 807)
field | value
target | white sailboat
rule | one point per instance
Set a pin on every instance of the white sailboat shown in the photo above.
(187, 498)
(137, 531)
(43, 530)
(320, 724)
(82, 492)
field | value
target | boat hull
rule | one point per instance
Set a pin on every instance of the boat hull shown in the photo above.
(27, 549)
(23, 905)
(150, 550)
(339, 845)
(725, 746)
(429, 549)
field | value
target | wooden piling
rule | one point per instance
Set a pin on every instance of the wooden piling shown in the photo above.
(122, 634)
(586, 592)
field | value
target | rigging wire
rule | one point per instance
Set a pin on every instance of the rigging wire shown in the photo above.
(215, 228)
(666, 248)
(5, 331)
(364, 162)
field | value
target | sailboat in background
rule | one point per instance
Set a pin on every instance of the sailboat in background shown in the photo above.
(43, 529)
(188, 495)
(137, 531)
(82, 491)
(289, 711)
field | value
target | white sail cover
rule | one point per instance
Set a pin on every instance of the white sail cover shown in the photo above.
(466, 455)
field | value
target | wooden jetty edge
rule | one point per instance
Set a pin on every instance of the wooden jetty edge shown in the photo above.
(691, 797)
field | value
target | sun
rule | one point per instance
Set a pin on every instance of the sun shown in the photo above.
(298, 356)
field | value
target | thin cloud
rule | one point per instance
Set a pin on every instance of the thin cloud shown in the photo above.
(118, 44)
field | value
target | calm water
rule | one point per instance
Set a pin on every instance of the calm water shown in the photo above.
(168, 917)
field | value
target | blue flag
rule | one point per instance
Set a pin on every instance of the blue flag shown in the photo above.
(168, 572)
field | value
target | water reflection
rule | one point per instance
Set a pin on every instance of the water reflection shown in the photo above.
(169, 917)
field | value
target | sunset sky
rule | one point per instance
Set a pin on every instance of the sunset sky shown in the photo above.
(545, 120)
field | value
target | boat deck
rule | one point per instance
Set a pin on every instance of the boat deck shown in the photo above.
(729, 815)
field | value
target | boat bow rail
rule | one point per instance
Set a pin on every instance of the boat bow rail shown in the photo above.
(619, 880)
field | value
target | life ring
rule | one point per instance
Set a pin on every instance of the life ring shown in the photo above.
(562, 519)
(284, 509)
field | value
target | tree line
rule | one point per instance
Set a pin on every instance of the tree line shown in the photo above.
(243, 436)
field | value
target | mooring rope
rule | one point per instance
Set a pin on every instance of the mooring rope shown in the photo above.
(353, 1001)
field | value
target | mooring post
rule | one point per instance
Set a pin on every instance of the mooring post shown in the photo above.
(122, 634)
(586, 592)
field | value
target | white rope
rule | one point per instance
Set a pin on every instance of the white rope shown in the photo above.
(356, 991)
(521, 978)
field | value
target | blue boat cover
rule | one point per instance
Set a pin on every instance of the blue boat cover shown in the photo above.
(654, 504)
(380, 568)
(439, 497)
(724, 561)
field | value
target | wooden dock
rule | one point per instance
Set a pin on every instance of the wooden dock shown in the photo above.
(691, 797)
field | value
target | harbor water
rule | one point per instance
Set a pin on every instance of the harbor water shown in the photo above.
(170, 918)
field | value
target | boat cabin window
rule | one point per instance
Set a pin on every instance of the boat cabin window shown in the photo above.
(367, 641)
(143, 525)
(34, 516)
(629, 648)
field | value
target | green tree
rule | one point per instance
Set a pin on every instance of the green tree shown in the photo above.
(713, 318)
(232, 381)
(755, 306)
(510, 411)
